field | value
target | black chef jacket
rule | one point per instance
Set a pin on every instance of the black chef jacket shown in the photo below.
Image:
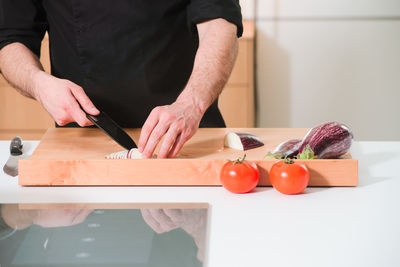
(129, 55)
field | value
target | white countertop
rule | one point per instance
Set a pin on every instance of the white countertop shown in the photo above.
(337, 226)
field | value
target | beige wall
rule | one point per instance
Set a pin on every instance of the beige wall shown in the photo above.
(321, 60)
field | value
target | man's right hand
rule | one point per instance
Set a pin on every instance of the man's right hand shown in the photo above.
(63, 99)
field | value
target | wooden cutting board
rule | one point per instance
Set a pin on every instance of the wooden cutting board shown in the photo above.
(76, 156)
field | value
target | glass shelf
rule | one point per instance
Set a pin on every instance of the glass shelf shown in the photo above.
(124, 234)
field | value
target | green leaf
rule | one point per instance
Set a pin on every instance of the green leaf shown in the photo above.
(307, 153)
(273, 155)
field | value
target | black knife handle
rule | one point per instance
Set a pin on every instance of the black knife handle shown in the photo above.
(16, 146)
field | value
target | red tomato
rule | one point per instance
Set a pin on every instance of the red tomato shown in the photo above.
(239, 176)
(288, 177)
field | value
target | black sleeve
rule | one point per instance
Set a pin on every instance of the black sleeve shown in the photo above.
(22, 21)
(202, 10)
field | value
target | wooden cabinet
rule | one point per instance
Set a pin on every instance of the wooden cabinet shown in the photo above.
(25, 117)
(237, 99)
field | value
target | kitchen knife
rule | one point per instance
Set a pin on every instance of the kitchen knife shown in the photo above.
(110, 127)
(11, 167)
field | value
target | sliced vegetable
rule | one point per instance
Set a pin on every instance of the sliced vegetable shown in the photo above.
(239, 176)
(125, 154)
(288, 177)
(242, 141)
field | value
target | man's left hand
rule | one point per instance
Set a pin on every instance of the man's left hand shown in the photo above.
(177, 123)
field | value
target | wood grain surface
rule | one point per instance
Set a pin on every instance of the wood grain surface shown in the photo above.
(76, 156)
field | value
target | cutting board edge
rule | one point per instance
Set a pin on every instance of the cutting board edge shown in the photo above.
(186, 172)
(183, 172)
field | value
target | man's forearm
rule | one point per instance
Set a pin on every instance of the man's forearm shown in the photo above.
(20, 66)
(62, 98)
(216, 55)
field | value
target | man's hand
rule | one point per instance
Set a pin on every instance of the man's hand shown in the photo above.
(63, 99)
(60, 217)
(177, 123)
(20, 219)
(212, 66)
(163, 220)
(193, 221)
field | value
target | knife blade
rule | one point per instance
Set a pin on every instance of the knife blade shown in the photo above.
(112, 129)
(11, 166)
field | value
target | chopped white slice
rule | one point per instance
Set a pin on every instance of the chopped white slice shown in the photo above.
(134, 154)
(242, 141)
(125, 154)
(232, 140)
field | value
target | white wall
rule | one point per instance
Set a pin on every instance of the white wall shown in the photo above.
(322, 60)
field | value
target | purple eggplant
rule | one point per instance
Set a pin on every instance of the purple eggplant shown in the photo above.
(328, 140)
(287, 149)
(242, 141)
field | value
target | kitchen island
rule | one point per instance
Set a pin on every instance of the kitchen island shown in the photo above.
(326, 226)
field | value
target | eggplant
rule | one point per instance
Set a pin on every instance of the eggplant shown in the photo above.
(242, 141)
(287, 149)
(328, 140)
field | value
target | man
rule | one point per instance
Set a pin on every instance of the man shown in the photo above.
(128, 58)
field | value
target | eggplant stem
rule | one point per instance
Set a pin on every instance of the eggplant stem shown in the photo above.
(307, 153)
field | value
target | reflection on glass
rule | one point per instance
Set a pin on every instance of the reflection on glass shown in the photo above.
(102, 234)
